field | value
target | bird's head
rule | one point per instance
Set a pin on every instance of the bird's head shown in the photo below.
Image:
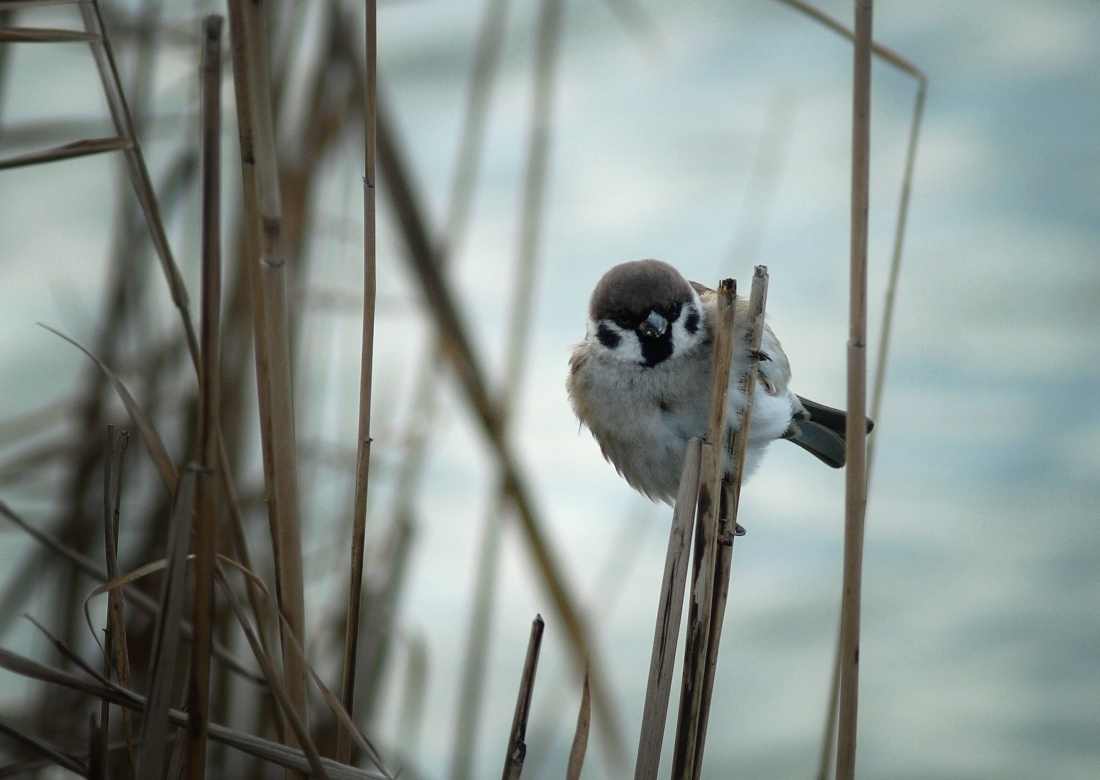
(645, 312)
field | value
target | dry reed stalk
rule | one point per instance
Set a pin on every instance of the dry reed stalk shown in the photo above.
(828, 740)
(206, 517)
(255, 117)
(67, 151)
(701, 598)
(13, 5)
(456, 346)
(154, 728)
(517, 747)
(670, 607)
(366, 378)
(117, 651)
(40, 35)
(580, 735)
(139, 173)
(855, 504)
(731, 498)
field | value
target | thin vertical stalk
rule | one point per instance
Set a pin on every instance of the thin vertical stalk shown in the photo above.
(517, 745)
(855, 504)
(275, 362)
(701, 600)
(206, 518)
(662, 660)
(895, 267)
(117, 649)
(366, 373)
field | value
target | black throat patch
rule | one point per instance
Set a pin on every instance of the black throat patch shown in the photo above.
(656, 350)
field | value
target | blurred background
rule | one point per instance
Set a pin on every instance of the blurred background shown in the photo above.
(714, 136)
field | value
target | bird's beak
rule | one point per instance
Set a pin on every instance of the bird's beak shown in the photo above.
(654, 325)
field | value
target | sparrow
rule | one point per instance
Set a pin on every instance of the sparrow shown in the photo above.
(641, 378)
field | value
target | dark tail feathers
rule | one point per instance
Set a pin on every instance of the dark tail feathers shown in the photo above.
(822, 432)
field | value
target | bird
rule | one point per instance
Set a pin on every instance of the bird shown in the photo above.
(641, 380)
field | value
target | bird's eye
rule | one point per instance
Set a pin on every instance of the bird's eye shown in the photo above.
(622, 321)
(674, 312)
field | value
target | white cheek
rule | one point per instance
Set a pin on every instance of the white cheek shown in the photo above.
(682, 339)
(629, 349)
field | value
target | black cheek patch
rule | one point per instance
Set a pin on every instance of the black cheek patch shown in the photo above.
(691, 324)
(607, 337)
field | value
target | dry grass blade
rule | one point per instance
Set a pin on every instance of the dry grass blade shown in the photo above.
(52, 752)
(141, 421)
(580, 736)
(290, 758)
(855, 494)
(366, 379)
(66, 151)
(250, 54)
(663, 658)
(154, 729)
(272, 676)
(701, 598)
(296, 648)
(517, 747)
(206, 518)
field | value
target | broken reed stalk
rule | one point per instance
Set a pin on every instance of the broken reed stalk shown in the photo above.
(701, 599)
(206, 518)
(855, 503)
(517, 746)
(670, 607)
(273, 364)
(753, 328)
(366, 378)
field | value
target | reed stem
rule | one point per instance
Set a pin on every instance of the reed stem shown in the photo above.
(855, 504)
